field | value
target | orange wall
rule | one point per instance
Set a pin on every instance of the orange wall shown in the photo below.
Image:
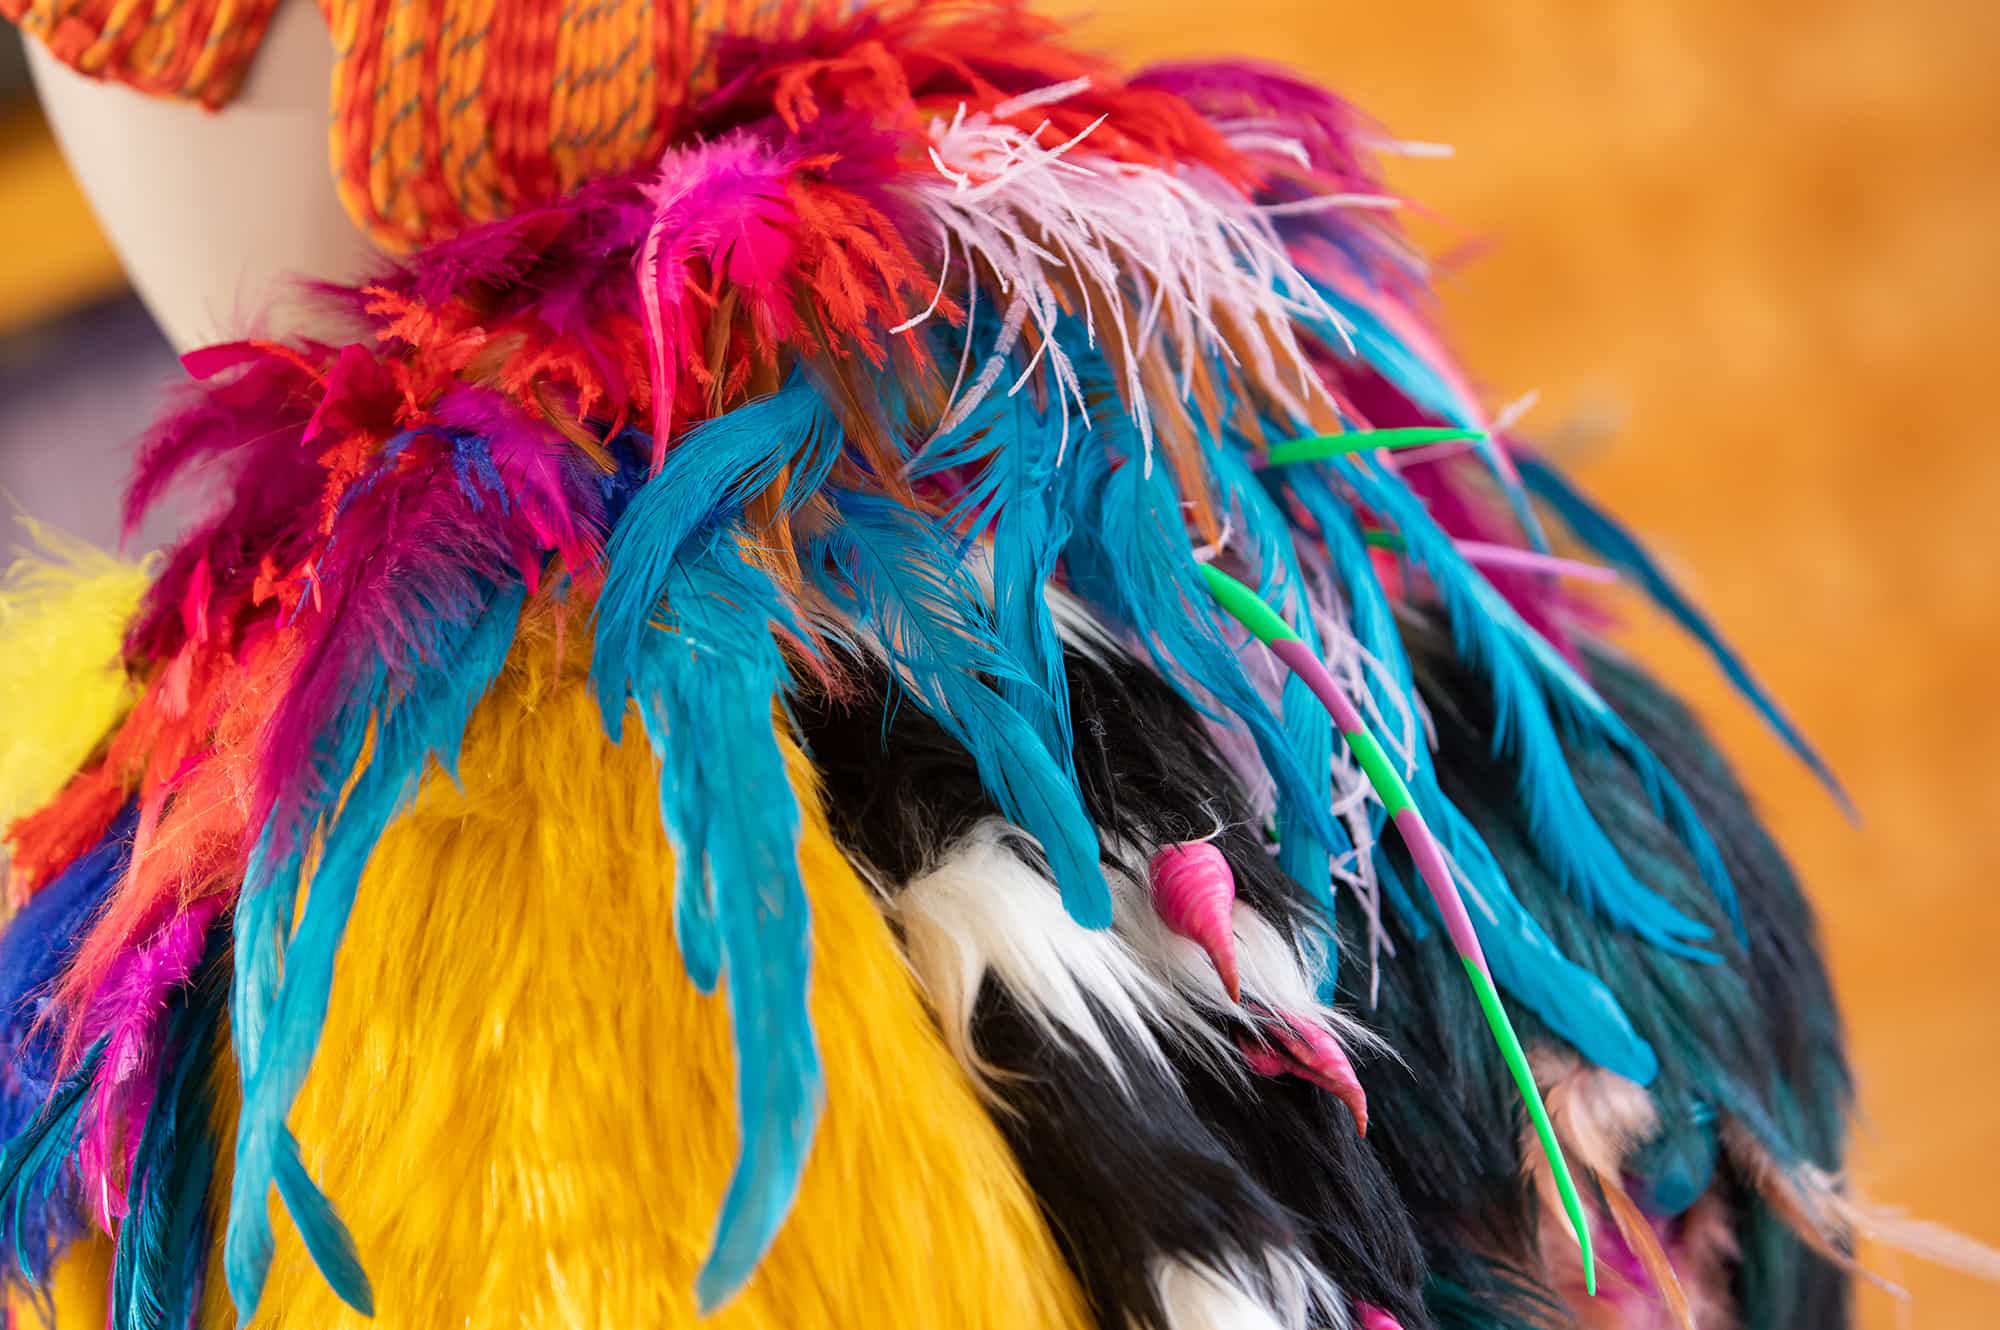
(1764, 249)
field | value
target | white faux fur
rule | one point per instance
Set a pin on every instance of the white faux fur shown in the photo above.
(985, 910)
(1294, 1295)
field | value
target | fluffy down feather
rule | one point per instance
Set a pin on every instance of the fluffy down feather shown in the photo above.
(63, 609)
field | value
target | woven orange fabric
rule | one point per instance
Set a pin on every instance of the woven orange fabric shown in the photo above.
(191, 49)
(444, 112)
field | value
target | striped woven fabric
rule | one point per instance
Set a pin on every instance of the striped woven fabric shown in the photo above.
(445, 113)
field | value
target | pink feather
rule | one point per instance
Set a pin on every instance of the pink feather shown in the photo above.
(724, 202)
(126, 1014)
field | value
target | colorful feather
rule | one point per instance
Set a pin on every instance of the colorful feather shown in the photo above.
(164, 1240)
(917, 396)
(1602, 534)
(705, 681)
(898, 578)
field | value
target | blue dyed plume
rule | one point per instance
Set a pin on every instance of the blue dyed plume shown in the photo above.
(1620, 548)
(457, 660)
(904, 579)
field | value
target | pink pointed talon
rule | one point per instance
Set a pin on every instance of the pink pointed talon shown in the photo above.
(1195, 894)
(1367, 1316)
(1311, 1053)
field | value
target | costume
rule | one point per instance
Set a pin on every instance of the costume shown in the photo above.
(894, 682)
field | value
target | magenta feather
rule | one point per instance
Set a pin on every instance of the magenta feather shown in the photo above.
(126, 1013)
(723, 202)
(540, 473)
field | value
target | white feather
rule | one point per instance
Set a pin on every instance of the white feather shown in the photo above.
(1171, 257)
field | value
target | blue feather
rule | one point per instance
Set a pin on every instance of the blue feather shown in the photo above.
(454, 669)
(1263, 536)
(35, 946)
(268, 900)
(34, 1168)
(706, 685)
(1131, 558)
(717, 467)
(1572, 1001)
(1585, 717)
(1613, 543)
(711, 473)
(685, 629)
(1018, 494)
(901, 576)
(1527, 676)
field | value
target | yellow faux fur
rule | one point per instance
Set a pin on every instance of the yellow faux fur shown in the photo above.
(62, 614)
(77, 1290)
(525, 1111)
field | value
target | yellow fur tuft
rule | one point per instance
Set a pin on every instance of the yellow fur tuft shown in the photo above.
(525, 1111)
(79, 1290)
(62, 614)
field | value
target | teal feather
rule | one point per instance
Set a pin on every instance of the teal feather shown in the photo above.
(1528, 678)
(706, 682)
(714, 470)
(429, 719)
(710, 474)
(1131, 559)
(163, 1242)
(903, 577)
(1526, 962)
(1617, 546)
(1262, 532)
(33, 1163)
(1017, 494)
(684, 629)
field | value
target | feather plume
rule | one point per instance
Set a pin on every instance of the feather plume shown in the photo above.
(1170, 261)
(34, 1171)
(63, 607)
(723, 204)
(1613, 543)
(163, 1243)
(426, 721)
(705, 683)
(897, 577)
(702, 405)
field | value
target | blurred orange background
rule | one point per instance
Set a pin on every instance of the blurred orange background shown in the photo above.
(1750, 258)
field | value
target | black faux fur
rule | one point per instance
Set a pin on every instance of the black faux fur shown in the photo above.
(1217, 1171)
